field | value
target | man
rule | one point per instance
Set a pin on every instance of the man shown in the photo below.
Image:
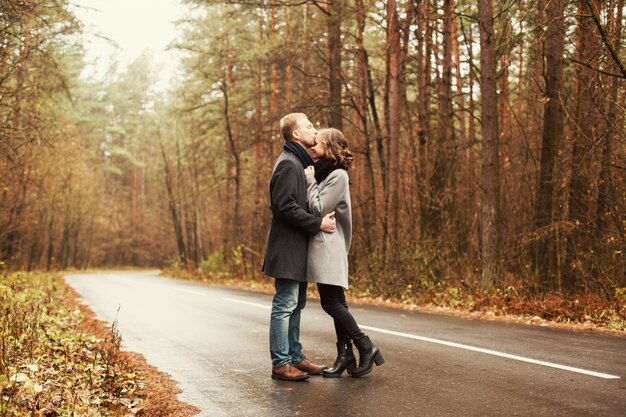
(287, 246)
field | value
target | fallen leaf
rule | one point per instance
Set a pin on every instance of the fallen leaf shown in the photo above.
(19, 377)
(32, 368)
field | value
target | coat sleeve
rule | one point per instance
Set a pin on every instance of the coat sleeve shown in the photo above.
(284, 203)
(324, 201)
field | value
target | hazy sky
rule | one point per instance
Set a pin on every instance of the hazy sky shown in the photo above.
(134, 26)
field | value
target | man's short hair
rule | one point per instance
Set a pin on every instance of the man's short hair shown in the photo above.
(288, 124)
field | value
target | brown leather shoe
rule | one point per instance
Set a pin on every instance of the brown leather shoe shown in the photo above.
(306, 366)
(288, 373)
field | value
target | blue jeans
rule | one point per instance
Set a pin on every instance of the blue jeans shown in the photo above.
(288, 302)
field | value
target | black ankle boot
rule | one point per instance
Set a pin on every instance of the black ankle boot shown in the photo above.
(345, 360)
(368, 355)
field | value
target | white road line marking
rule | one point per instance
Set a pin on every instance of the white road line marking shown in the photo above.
(493, 352)
(462, 346)
(247, 303)
(191, 292)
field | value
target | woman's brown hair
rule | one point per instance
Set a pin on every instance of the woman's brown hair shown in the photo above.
(336, 146)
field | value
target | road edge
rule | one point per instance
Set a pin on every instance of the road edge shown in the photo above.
(160, 391)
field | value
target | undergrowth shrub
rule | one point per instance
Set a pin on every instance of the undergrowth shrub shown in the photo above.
(48, 366)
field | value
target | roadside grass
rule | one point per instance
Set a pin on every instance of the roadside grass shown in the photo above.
(514, 303)
(56, 360)
(509, 302)
(48, 366)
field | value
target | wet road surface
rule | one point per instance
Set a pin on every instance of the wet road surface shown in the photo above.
(214, 343)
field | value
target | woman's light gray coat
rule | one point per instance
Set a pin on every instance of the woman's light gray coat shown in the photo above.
(328, 252)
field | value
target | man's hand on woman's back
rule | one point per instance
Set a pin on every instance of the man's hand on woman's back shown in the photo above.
(328, 223)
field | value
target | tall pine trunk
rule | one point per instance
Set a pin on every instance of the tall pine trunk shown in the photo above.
(334, 64)
(424, 67)
(545, 253)
(587, 119)
(370, 212)
(489, 122)
(444, 148)
(178, 230)
(393, 117)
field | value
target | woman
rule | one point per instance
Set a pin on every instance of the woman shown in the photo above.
(327, 265)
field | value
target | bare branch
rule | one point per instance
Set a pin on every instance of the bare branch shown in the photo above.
(585, 64)
(605, 39)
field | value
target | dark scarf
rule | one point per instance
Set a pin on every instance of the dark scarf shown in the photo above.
(323, 168)
(298, 151)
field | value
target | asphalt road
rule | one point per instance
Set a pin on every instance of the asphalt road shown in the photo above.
(214, 343)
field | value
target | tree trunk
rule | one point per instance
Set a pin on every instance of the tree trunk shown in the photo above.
(183, 206)
(334, 63)
(582, 194)
(534, 73)
(544, 250)
(606, 186)
(51, 216)
(289, 64)
(444, 148)
(393, 94)
(460, 101)
(490, 172)
(273, 96)
(261, 161)
(463, 219)
(610, 236)
(424, 56)
(370, 191)
(234, 152)
(471, 158)
(178, 231)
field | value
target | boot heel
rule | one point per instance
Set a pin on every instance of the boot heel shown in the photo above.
(378, 359)
(351, 368)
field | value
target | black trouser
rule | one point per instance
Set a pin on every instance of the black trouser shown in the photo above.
(334, 303)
